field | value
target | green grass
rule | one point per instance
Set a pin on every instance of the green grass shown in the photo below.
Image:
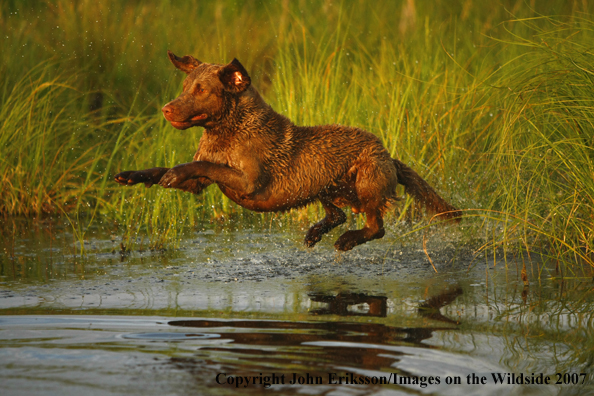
(491, 103)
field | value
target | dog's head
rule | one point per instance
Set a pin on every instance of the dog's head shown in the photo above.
(206, 91)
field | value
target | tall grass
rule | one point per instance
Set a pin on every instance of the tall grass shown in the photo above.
(491, 103)
(44, 167)
(544, 151)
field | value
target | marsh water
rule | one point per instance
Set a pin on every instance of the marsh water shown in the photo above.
(249, 309)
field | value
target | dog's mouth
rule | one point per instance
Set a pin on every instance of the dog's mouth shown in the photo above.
(188, 123)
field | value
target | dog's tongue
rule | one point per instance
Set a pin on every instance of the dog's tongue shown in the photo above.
(198, 117)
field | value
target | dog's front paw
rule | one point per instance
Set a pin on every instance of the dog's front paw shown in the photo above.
(130, 178)
(173, 178)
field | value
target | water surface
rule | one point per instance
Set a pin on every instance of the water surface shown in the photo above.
(250, 308)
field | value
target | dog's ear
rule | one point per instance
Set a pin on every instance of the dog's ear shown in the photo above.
(185, 64)
(234, 77)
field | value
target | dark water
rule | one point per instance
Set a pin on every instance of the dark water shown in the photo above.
(251, 309)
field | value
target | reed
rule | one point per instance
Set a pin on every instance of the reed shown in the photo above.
(491, 103)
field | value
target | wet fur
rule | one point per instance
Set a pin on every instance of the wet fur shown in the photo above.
(263, 162)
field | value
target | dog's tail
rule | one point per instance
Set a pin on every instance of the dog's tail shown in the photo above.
(422, 192)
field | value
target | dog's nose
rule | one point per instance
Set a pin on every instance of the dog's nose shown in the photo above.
(167, 110)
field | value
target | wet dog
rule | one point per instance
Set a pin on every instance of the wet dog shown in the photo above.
(263, 162)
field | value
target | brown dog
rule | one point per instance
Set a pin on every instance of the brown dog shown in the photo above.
(263, 162)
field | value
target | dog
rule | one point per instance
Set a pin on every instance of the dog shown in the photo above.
(264, 162)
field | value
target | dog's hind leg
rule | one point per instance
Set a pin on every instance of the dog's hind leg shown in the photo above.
(375, 185)
(374, 229)
(334, 217)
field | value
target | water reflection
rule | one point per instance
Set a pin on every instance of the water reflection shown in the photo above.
(431, 307)
(319, 348)
(340, 304)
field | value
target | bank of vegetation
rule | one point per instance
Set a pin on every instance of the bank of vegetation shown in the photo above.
(492, 102)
